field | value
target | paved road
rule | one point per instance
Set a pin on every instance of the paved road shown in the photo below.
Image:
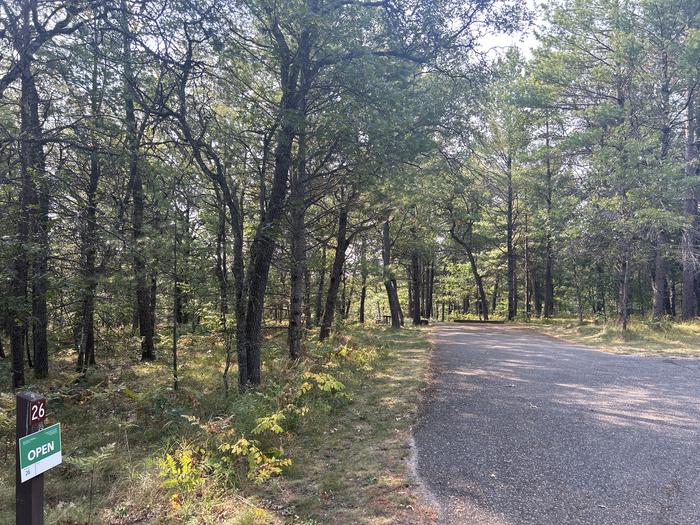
(524, 429)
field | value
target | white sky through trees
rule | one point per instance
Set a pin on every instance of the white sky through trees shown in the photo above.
(525, 40)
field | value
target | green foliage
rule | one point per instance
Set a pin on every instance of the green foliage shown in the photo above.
(86, 462)
(182, 470)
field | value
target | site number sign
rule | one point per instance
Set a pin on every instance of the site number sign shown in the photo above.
(37, 411)
(39, 452)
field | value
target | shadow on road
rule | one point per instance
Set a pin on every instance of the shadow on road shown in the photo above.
(522, 428)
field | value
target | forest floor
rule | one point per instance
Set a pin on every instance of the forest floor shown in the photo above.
(136, 451)
(642, 337)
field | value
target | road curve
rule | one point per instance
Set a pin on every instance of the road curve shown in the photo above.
(521, 428)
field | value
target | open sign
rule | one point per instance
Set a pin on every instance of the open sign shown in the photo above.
(37, 411)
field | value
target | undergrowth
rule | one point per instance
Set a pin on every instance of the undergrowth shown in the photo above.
(137, 451)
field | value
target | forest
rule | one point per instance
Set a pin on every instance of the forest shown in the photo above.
(232, 169)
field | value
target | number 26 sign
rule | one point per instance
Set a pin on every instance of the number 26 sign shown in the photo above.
(37, 411)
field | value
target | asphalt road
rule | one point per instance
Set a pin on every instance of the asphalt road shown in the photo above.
(523, 429)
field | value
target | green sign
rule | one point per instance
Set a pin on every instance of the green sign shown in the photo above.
(39, 452)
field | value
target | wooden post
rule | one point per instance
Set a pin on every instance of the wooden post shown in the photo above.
(29, 496)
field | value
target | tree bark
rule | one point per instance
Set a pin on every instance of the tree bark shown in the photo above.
(660, 282)
(475, 271)
(363, 284)
(623, 308)
(88, 230)
(298, 245)
(549, 256)
(494, 296)
(321, 286)
(528, 293)
(143, 292)
(416, 287)
(510, 233)
(430, 288)
(389, 281)
(86, 350)
(336, 273)
(32, 215)
(689, 239)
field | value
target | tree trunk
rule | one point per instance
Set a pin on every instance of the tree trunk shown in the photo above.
(336, 273)
(660, 283)
(528, 294)
(174, 333)
(430, 288)
(409, 281)
(321, 286)
(296, 80)
(363, 284)
(153, 295)
(262, 249)
(31, 165)
(221, 266)
(295, 330)
(689, 239)
(34, 171)
(389, 281)
(510, 233)
(623, 308)
(143, 292)
(182, 280)
(307, 297)
(40, 283)
(549, 256)
(494, 296)
(86, 350)
(475, 271)
(416, 287)
(363, 298)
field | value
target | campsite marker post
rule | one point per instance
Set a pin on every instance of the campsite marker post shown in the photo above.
(37, 450)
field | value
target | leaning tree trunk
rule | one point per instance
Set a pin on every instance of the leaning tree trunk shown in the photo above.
(336, 274)
(297, 78)
(263, 246)
(479, 285)
(475, 271)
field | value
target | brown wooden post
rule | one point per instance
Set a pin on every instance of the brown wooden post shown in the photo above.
(29, 496)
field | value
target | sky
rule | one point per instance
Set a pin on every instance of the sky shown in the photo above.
(525, 40)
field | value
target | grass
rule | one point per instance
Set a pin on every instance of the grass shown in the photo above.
(643, 337)
(347, 446)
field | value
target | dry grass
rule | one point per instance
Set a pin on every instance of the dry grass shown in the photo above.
(348, 458)
(652, 338)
